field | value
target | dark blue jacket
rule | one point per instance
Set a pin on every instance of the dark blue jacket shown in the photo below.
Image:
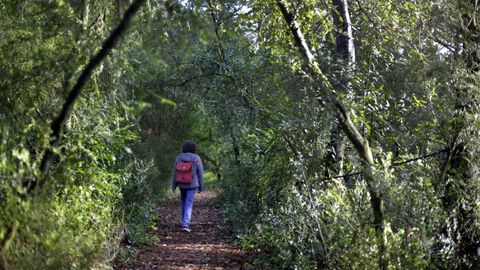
(197, 171)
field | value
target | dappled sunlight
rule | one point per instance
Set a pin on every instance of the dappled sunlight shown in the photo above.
(207, 246)
(339, 134)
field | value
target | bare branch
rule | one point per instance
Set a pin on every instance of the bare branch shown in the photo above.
(418, 158)
(393, 165)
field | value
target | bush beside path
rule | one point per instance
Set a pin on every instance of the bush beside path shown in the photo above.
(208, 245)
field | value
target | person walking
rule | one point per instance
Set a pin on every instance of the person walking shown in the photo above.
(188, 177)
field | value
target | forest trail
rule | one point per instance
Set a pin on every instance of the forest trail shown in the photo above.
(207, 246)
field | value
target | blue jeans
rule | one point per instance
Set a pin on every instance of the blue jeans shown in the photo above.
(187, 196)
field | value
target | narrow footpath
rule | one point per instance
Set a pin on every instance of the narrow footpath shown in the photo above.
(207, 246)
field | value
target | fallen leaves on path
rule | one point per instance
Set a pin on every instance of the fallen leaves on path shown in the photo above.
(207, 246)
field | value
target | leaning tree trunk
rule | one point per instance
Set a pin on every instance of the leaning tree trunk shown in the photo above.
(326, 90)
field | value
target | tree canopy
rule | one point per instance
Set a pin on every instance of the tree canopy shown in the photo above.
(344, 134)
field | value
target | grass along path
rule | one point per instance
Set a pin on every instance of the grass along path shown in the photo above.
(207, 246)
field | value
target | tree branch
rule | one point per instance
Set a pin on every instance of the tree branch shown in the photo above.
(340, 176)
(393, 165)
(58, 124)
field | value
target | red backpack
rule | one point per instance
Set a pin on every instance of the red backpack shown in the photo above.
(183, 172)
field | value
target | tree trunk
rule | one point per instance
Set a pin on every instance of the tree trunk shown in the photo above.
(345, 49)
(335, 152)
(217, 23)
(326, 90)
(85, 13)
(343, 31)
(121, 7)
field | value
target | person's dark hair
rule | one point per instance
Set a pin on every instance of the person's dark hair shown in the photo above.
(189, 147)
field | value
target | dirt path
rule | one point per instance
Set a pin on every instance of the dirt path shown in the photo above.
(207, 246)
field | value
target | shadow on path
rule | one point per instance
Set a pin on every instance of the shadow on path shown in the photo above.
(207, 246)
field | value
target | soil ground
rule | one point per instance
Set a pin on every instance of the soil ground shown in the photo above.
(209, 245)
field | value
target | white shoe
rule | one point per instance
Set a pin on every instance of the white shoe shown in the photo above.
(186, 229)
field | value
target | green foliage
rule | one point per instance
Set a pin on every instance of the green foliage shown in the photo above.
(78, 205)
(138, 198)
(227, 74)
(75, 221)
(398, 97)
